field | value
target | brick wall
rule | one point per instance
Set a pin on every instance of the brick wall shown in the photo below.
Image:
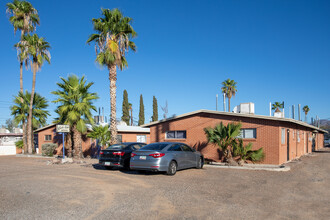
(132, 137)
(268, 135)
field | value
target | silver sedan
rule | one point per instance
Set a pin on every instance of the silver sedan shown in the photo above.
(166, 156)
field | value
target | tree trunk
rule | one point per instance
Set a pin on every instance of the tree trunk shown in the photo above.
(228, 104)
(131, 116)
(29, 127)
(77, 148)
(24, 137)
(68, 144)
(113, 121)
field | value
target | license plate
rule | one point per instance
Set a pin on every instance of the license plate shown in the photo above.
(107, 163)
(143, 157)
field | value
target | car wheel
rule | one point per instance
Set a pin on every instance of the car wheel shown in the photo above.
(108, 167)
(200, 163)
(172, 167)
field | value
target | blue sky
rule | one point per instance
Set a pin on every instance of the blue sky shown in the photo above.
(274, 50)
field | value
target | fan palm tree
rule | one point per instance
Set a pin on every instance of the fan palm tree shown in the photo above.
(101, 133)
(76, 103)
(229, 89)
(277, 106)
(112, 41)
(245, 153)
(38, 50)
(24, 17)
(306, 110)
(20, 110)
(224, 137)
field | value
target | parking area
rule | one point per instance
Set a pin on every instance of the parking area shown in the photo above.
(31, 189)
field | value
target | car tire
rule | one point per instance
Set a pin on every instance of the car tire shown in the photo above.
(200, 163)
(172, 168)
(108, 167)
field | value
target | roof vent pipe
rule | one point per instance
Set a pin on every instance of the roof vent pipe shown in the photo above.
(270, 109)
(299, 112)
(293, 112)
(224, 102)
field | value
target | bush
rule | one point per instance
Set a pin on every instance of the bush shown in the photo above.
(19, 144)
(48, 149)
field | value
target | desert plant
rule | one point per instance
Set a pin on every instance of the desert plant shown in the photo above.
(277, 106)
(19, 144)
(48, 149)
(224, 137)
(245, 153)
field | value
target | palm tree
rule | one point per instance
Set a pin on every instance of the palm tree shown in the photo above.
(20, 110)
(25, 18)
(229, 89)
(37, 48)
(76, 103)
(112, 41)
(277, 106)
(101, 133)
(245, 153)
(306, 110)
(224, 137)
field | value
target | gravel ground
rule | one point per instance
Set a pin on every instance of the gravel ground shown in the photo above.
(31, 189)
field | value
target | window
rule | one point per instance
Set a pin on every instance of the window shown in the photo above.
(175, 147)
(186, 148)
(48, 137)
(298, 136)
(141, 138)
(155, 146)
(116, 147)
(120, 138)
(136, 147)
(283, 136)
(248, 133)
(176, 135)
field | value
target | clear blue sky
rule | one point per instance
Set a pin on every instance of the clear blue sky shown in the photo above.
(275, 51)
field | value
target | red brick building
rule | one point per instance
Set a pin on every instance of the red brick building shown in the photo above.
(48, 134)
(282, 139)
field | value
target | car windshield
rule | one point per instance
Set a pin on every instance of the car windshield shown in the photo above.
(154, 147)
(116, 147)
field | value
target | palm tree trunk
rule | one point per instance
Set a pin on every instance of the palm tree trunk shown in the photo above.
(228, 104)
(305, 117)
(24, 137)
(68, 144)
(131, 116)
(29, 127)
(77, 149)
(113, 88)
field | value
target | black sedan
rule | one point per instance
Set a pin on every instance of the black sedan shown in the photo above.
(118, 155)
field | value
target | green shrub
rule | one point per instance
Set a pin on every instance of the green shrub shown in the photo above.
(19, 144)
(48, 149)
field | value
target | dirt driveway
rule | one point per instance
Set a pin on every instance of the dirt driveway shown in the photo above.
(30, 189)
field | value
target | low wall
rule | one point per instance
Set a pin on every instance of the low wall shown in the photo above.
(7, 150)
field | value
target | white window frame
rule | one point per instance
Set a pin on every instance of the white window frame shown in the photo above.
(283, 136)
(48, 135)
(138, 136)
(175, 135)
(242, 134)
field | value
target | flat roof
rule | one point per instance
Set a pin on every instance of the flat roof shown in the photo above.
(236, 115)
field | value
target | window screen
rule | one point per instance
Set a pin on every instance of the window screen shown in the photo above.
(283, 136)
(248, 133)
(176, 135)
(48, 137)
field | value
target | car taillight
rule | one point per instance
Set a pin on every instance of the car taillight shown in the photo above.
(133, 154)
(101, 152)
(118, 153)
(157, 155)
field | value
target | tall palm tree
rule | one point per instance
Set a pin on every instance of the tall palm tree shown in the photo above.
(24, 17)
(38, 50)
(112, 41)
(306, 110)
(229, 89)
(76, 103)
(20, 110)
(225, 137)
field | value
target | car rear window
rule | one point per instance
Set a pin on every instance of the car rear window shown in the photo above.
(116, 147)
(154, 147)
